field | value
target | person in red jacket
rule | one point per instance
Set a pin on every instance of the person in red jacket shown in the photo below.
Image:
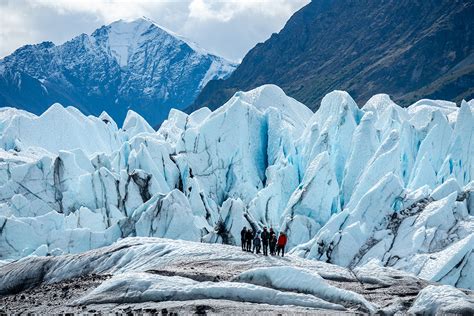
(282, 239)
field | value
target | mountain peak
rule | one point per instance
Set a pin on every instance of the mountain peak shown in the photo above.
(128, 64)
(129, 29)
(124, 36)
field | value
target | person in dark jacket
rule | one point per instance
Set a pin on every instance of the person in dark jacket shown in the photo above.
(242, 238)
(256, 243)
(248, 239)
(281, 243)
(265, 239)
(272, 242)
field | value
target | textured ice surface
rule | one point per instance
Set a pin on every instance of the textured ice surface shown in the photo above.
(304, 281)
(442, 299)
(141, 270)
(381, 184)
(143, 287)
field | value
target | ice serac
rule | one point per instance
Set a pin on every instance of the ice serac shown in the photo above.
(313, 202)
(389, 115)
(340, 240)
(382, 185)
(459, 157)
(58, 129)
(331, 129)
(134, 124)
(364, 144)
(385, 160)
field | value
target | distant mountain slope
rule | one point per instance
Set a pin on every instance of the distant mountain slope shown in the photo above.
(125, 65)
(408, 49)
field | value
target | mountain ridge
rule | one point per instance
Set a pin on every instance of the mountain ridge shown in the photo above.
(409, 50)
(125, 65)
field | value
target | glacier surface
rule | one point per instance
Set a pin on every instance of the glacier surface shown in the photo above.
(143, 274)
(380, 184)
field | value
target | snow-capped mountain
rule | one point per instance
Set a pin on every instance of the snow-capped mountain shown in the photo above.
(126, 65)
(382, 184)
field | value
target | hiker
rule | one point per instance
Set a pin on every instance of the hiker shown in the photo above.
(256, 243)
(281, 243)
(273, 241)
(242, 238)
(248, 239)
(265, 239)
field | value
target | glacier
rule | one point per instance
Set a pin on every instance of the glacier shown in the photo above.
(149, 275)
(377, 185)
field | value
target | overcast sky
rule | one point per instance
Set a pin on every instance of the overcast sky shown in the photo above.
(227, 28)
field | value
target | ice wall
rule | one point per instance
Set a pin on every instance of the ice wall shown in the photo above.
(349, 185)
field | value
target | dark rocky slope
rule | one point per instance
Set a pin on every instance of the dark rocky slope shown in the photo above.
(408, 49)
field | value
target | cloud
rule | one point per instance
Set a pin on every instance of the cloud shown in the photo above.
(107, 10)
(228, 28)
(231, 28)
(11, 34)
(225, 11)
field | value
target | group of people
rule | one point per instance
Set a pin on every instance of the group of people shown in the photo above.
(263, 240)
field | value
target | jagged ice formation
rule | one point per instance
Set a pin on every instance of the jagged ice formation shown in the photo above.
(380, 184)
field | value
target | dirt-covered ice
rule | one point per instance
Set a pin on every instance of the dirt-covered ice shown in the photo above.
(154, 275)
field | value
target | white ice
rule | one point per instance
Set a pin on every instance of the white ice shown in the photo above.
(349, 186)
(442, 299)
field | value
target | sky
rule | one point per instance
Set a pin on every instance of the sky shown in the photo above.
(227, 28)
